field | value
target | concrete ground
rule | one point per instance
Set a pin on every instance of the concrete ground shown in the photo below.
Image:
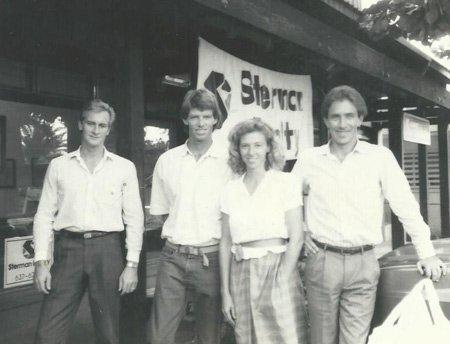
(18, 326)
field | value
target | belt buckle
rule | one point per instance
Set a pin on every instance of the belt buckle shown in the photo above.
(184, 249)
(194, 251)
(87, 235)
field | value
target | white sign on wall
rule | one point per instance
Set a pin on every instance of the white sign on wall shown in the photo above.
(416, 129)
(244, 90)
(18, 263)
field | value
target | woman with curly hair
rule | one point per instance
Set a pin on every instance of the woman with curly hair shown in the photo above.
(261, 241)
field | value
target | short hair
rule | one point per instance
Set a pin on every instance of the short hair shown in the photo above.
(97, 105)
(340, 93)
(202, 100)
(275, 157)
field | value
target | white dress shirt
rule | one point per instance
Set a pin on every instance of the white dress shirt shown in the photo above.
(260, 215)
(189, 191)
(76, 199)
(345, 199)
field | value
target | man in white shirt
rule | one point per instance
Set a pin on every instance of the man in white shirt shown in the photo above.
(89, 196)
(347, 181)
(186, 188)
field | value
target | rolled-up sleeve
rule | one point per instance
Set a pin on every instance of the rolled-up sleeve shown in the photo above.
(133, 215)
(397, 191)
(159, 201)
(45, 215)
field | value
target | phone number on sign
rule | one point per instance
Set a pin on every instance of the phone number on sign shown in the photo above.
(23, 277)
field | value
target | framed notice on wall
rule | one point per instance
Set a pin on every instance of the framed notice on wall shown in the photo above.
(18, 264)
(416, 129)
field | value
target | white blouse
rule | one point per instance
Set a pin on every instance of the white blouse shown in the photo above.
(260, 215)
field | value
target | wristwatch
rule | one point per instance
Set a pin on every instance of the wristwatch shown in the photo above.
(132, 264)
(41, 262)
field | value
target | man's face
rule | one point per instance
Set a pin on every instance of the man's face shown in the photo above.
(343, 122)
(95, 127)
(200, 124)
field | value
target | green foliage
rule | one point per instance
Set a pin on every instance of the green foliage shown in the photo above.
(42, 139)
(422, 20)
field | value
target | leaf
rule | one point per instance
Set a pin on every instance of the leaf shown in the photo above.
(381, 26)
(432, 13)
(416, 19)
(408, 23)
(378, 7)
(445, 5)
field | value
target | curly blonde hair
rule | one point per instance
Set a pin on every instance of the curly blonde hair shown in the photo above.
(275, 157)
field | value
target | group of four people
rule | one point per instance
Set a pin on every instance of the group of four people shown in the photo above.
(233, 225)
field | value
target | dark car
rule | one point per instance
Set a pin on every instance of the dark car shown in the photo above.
(399, 275)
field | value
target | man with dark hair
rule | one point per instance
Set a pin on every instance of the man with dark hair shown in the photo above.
(89, 196)
(346, 182)
(187, 183)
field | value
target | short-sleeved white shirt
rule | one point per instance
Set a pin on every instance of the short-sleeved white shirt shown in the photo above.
(260, 215)
(189, 191)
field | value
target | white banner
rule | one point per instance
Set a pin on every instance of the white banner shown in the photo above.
(18, 264)
(244, 91)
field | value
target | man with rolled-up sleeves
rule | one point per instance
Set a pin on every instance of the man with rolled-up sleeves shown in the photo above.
(346, 182)
(89, 197)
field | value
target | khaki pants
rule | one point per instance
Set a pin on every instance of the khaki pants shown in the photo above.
(341, 291)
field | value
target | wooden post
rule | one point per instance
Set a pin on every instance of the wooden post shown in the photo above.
(318, 99)
(323, 131)
(130, 144)
(396, 146)
(443, 174)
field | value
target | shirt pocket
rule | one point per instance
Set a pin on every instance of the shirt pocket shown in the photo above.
(109, 193)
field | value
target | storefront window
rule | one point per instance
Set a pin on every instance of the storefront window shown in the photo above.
(159, 136)
(411, 170)
(156, 141)
(42, 140)
(33, 136)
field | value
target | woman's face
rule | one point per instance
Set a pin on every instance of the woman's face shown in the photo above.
(253, 148)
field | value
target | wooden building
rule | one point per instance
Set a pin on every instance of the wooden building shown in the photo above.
(55, 55)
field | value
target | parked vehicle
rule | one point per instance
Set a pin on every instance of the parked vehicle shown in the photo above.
(399, 275)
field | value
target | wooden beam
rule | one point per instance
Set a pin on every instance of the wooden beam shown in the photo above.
(283, 20)
(443, 175)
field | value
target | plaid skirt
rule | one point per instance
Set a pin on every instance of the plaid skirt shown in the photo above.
(270, 309)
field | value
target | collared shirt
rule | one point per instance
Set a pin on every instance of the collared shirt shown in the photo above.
(189, 191)
(345, 199)
(106, 200)
(260, 215)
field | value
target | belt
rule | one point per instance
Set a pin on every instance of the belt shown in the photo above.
(343, 250)
(84, 235)
(194, 250)
(245, 252)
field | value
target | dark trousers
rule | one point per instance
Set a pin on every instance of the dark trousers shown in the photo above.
(178, 273)
(79, 264)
